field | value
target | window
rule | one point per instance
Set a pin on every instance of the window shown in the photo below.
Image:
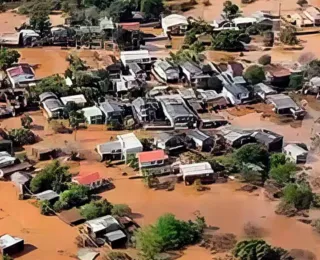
(153, 163)
(159, 161)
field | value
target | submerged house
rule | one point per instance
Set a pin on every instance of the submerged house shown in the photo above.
(153, 163)
(140, 57)
(93, 115)
(277, 75)
(236, 94)
(174, 24)
(262, 91)
(212, 99)
(211, 121)
(107, 228)
(112, 111)
(52, 105)
(79, 100)
(271, 140)
(194, 74)
(10, 245)
(284, 105)
(177, 111)
(121, 149)
(296, 153)
(137, 71)
(236, 137)
(203, 141)
(21, 75)
(91, 180)
(166, 70)
(192, 172)
(146, 109)
(173, 142)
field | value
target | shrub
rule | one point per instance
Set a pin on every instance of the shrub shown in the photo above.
(45, 207)
(257, 249)
(8, 57)
(277, 159)
(254, 74)
(252, 153)
(21, 136)
(283, 173)
(288, 35)
(52, 177)
(229, 40)
(121, 210)
(300, 195)
(252, 231)
(264, 59)
(96, 209)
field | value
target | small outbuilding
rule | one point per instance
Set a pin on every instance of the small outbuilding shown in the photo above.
(49, 195)
(296, 153)
(116, 239)
(203, 141)
(93, 115)
(192, 172)
(79, 100)
(271, 140)
(10, 245)
(72, 217)
(174, 24)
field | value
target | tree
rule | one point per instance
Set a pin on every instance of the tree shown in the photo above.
(152, 8)
(75, 196)
(296, 81)
(52, 177)
(7, 257)
(8, 57)
(45, 208)
(75, 119)
(253, 153)
(302, 2)
(283, 173)
(288, 35)
(300, 195)
(229, 40)
(120, 10)
(121, 210)
(257, 249)
(277, 159)
(265, 59)
(231, 10)
(55, 84)
(26, 121)
(101, 4)
(313, 69)
(254, 74)
(96, 209)
(21, 136)
(39, 18)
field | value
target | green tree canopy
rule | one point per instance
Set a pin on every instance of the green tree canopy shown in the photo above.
(231, 10)
(229, 40)
(277, 159)
(121, 210)
(253, 153)
(152, 8)
(296, 81)
(55, 84)
(313, 69)
(39, 18)
(75, 196)
(21, 136)
(257, 249)
(120, 10)
(8, 57)
(168, 233)
(52, 177)
(254, 74)
(96, 209)
(283, 173)
(299, 195)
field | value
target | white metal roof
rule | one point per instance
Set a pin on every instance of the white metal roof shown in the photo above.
(101, 223)
(78, 99)
(134, 55)
(91, 111)
(295, 150)
(241, 20)
(173, 20)
(129, 141)
(196, 169)
(8, 241)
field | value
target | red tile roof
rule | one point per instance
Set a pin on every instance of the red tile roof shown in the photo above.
(151, 156)
(88, 178)
(131, 26)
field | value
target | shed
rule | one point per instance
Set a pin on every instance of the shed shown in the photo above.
(93, 115)
(192, 172)
(49, 195)
(271, 140)
(10, 245)
(202, 140)
(295, 153)
(77, 99)
(44, 153)
(116, 239)
(47, 95)
(71, 216)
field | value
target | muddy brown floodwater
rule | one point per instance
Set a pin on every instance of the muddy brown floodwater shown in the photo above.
(222, 207)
